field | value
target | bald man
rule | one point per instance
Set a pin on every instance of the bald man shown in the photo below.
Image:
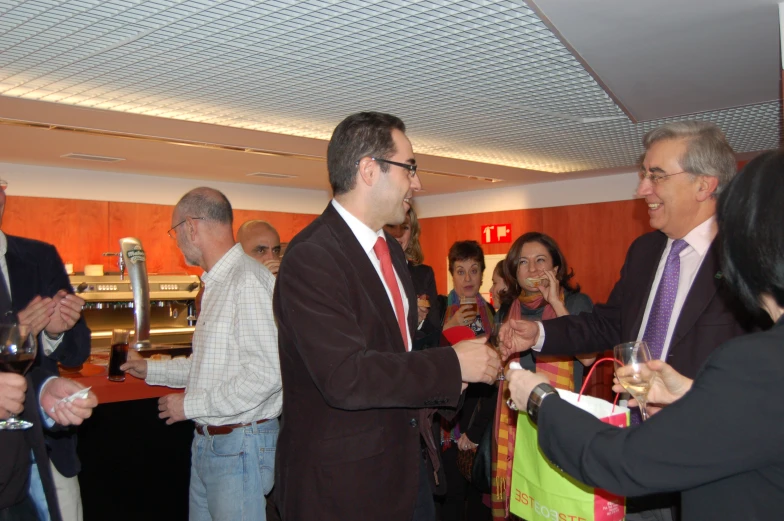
(262, 242)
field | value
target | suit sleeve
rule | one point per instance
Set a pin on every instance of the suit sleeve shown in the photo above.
(75, 346)
(315, 310)
(678, 448)
(591, 332)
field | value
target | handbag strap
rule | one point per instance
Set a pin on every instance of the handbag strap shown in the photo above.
(588, 377)
(473, 414)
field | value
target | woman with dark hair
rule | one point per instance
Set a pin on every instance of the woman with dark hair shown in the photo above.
(716, 439)
(539, 287)
(407, 234)
(463, 433)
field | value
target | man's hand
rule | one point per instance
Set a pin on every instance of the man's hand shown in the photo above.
(136, 368)
(37, 313)
(12, 394)
(273, 265)
(478, 363)
(667, 386)
(517, 336)
(172, 407)
(521, 383)
(68, 309)
(66, 413)
(464, 443)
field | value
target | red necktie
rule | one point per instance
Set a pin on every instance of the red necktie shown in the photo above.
(382, 252)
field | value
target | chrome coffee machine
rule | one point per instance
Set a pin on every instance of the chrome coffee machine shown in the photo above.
(160, 309)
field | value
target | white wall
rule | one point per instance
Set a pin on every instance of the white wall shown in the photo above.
(70, 183)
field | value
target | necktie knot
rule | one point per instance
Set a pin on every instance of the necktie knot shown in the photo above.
(678, 246)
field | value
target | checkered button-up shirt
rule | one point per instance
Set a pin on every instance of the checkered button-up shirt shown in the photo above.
(233, 375)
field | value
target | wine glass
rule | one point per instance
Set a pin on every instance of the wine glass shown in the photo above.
(17, 353)
(494, 341)
(632, 371)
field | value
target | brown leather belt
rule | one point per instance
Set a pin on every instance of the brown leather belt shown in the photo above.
(224, 429)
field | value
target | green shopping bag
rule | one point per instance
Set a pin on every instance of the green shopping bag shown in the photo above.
(541, 492)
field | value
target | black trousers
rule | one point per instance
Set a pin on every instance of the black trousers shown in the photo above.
(424, 510)
(24, 511)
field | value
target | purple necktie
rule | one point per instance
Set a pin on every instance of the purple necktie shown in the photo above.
(663, 302)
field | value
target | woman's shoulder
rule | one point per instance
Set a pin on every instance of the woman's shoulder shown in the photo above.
(577, 302)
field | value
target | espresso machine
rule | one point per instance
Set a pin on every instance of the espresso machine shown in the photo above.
(159, 309)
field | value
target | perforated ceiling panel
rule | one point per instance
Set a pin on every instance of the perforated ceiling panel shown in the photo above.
(485, 81)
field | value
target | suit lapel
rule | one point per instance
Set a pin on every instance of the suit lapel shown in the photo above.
(702, 291)
(645, 273)
(400, 264)
(21, 275)
(361, 265)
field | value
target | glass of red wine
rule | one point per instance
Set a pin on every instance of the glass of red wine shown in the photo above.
(17, 353)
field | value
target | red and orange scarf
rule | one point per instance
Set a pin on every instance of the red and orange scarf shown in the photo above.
(560, 372)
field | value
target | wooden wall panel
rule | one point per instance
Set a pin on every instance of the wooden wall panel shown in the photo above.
(287, 224)
(439, 233)
(77, 228)
(594, 238)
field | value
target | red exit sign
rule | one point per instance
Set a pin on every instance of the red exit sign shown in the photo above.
(496, 233)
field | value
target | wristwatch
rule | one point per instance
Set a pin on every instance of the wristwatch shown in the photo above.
(535, 399)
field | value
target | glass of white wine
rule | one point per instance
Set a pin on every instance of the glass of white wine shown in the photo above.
(632, 371)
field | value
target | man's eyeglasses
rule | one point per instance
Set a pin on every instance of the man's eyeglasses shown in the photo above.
(412, 169)
(173, 230)
(656, 178)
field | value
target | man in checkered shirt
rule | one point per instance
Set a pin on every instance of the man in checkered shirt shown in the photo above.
(232, 381)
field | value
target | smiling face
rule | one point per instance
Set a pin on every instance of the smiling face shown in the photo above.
(394, 188)
(534, 260)
(675, 204)
(467, 277)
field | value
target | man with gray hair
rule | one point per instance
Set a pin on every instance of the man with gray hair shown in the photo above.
(232, 381)
(262, 242)
(671, 292)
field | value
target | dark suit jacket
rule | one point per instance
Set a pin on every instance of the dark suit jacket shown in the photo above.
(720, 444)
(424, 280)
(708, 317)
(35, 268)
(349, 445)
(15, 451)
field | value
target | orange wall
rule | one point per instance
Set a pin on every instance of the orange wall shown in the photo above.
(83, 230)
(593, 237)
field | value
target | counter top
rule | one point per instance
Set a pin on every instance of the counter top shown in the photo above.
(110, 392)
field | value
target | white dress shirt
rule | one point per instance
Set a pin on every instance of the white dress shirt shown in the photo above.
(692, 256)
(367, 239)
(233, 375)
(699, 240)
(49, 345)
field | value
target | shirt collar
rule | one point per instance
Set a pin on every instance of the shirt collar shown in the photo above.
(220, 271)
(367, 238)
(701, 237)
(3, 244)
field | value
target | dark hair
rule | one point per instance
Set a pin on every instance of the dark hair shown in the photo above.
(750, 215)
(359, 135)
(466, 250)
(499, 270)
(207, 203)
(512, 261)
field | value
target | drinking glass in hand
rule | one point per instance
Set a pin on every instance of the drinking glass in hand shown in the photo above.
(17, 353)
(118, 355)
(494, 341)
(632, 371)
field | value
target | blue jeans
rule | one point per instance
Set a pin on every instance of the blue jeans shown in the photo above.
(231, 473)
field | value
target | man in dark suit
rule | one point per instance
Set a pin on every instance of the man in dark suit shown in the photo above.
(20, 395)
(682, 313)
(356, 418)
(41, 296)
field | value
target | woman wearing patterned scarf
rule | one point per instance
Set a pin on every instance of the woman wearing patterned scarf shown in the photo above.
(538, 281)
(467, 265)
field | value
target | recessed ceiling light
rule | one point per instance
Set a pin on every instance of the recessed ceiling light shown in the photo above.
(271, 176)
(91, 157)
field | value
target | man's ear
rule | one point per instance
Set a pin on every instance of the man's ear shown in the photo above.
(706, 187)
(367, 171)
